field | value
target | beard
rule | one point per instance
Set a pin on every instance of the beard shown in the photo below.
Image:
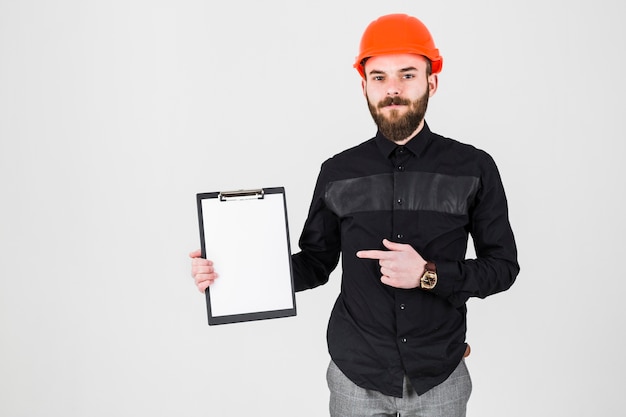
(396, 127)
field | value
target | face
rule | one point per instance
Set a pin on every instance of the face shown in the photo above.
(397, 89)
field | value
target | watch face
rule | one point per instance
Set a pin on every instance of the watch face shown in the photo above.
(429, 280)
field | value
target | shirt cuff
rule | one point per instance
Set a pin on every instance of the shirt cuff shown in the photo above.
(447, 274)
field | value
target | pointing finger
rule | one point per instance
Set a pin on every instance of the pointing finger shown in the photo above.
(373, 254)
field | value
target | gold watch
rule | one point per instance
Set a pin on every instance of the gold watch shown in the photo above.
(429, 279)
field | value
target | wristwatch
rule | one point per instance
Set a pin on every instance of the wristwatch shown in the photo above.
(429, 279)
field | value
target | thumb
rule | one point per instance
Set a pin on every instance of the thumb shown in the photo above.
(393, 245)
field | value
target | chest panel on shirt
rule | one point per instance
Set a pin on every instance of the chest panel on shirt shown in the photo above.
(414, 191)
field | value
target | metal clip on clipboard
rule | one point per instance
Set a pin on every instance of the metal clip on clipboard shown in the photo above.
(242, 195)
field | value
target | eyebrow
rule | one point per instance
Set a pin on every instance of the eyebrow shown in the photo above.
(379, 72)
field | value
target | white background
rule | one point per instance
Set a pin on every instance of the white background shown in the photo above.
(114, 114)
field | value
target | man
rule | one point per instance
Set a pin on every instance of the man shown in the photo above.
(399, 208)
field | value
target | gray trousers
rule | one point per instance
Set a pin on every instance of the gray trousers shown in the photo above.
(448, 399)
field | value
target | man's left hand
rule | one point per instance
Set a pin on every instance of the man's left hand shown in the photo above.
(401, 266)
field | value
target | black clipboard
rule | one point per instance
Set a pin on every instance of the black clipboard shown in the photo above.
(246, 234)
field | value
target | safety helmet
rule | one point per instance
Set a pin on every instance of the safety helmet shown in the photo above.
(397, 34)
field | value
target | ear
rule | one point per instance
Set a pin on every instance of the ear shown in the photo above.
(433, 82)
(364, 86)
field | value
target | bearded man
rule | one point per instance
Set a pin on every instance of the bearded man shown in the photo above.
(398, 208)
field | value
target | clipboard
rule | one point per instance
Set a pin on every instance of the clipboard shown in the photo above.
(246, 235)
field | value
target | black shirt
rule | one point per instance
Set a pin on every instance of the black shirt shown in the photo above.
(429, 193)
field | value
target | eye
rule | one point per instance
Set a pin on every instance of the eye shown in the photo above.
(378, 78)
(408, 76)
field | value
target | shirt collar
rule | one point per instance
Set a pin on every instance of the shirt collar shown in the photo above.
(417, 144)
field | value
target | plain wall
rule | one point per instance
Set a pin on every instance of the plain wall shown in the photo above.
(114, 114)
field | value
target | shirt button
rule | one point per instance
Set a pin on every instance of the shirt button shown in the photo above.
(402, 306)
(399, 201)
(399, 235)
(401, 168)
(403, 340)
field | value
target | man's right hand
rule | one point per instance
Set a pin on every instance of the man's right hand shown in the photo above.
(202, 271)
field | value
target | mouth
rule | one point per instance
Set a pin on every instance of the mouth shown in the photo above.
(393, 102)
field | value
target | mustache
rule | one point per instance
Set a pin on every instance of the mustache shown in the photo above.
(389, 101)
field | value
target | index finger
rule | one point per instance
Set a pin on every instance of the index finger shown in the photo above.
(373, 254)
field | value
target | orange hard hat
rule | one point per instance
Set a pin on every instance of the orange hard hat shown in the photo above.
(397, 34)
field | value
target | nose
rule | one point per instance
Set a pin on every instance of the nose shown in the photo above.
(393, 89)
